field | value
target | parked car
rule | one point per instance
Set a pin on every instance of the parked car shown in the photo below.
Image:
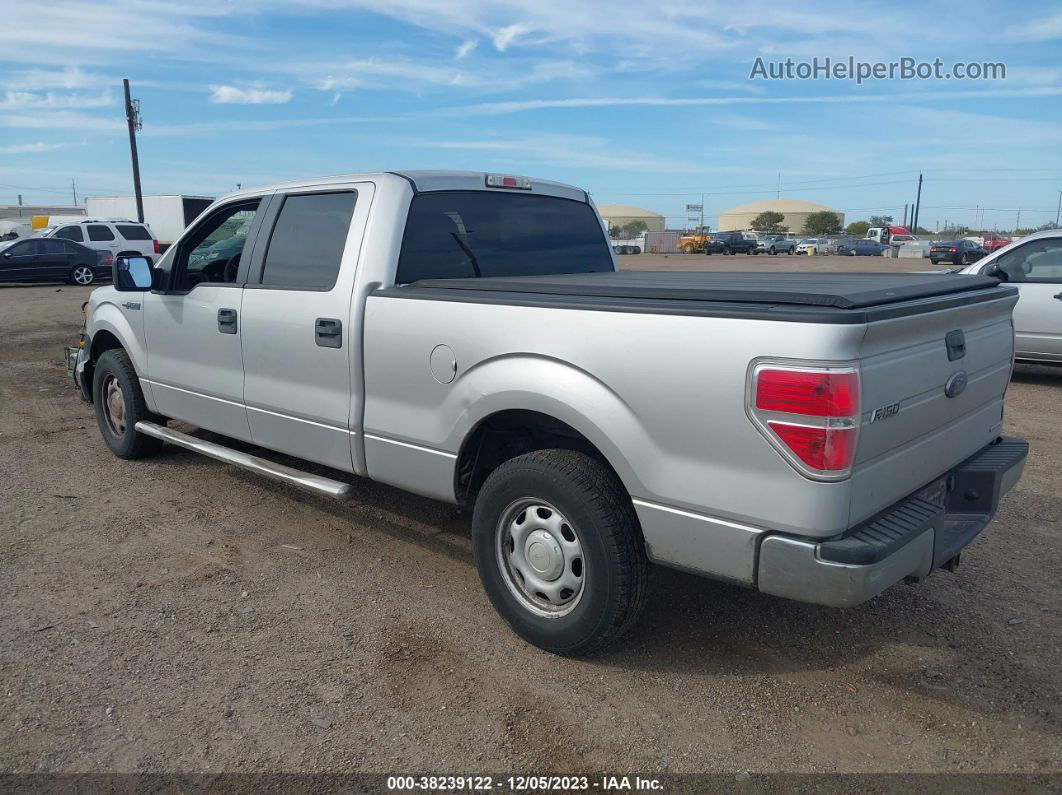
(1034, 266)
(817, 243)
(776, 244)
(865, 248)
(35, 259)
(730, 243)
(839, 245)
(993, 242)
(118, 238)
(459, 340)
(957, 252)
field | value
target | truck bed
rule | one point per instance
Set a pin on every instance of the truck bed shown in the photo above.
(801, 296)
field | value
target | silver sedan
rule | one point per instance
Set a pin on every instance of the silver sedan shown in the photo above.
(1033, 264)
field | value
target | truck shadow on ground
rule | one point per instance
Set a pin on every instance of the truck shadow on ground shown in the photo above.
(699, 627)
(1039, 374)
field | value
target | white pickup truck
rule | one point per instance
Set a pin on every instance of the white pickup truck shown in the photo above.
(466, 336)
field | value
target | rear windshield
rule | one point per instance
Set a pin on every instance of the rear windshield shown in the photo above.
(134, 232)
(461, 234)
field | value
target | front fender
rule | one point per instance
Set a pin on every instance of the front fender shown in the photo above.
(126, 325)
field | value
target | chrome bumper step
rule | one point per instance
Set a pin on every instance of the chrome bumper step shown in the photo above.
(296, 477)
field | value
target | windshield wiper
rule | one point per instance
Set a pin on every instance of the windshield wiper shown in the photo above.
(468, 253)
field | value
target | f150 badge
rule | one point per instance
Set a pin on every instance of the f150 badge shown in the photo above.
(884, 412)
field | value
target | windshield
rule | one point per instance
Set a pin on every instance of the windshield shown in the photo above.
(457, 234)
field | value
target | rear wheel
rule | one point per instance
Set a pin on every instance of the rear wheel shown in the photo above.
(81, 274)
(772, 251)
(120, 405)
(687, 249)
(964, 260)
(559, 550)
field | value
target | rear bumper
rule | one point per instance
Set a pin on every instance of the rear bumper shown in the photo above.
(910, 539)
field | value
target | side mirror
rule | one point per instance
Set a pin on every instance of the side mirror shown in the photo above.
(997, 272)
(131, 274)
(7, 255)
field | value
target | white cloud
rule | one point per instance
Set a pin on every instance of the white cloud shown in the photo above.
(503, 37)
(18, 149)
(1044, 29)
(221, 94)
(561, 150)
(30, 99)
(465, 47)
(61, 120)
(497, 108)
(70, 77)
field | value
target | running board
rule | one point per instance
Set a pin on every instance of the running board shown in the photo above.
(296, 477)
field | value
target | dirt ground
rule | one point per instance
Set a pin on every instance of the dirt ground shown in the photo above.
(176, 614)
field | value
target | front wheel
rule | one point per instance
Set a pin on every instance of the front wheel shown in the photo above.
(687, 249)
(81, 274)
(559, 550)
(120, 405)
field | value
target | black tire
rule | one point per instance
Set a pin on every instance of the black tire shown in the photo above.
(726, 251)
(964, 260)
(750, 251)
(115, 368)
(81, 275)
(772, 251)
(789, 251)
(590, 497)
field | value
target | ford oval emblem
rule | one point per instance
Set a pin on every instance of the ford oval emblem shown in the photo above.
(956, 384)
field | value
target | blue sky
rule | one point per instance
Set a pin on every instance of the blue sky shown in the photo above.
(641, 103)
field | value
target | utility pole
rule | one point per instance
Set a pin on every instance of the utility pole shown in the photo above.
(1059, 208)
(1017, 223)
(905, 215)
(917, 207)
(702, 213)
(778, 194)
(132, 117)
(73, 187)
(20, 205)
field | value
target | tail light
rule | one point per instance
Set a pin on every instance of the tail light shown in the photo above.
(157, 249)
(809, 413)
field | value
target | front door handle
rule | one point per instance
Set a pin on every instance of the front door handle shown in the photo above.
(227, 321)
(328, 332)
(1058, 296)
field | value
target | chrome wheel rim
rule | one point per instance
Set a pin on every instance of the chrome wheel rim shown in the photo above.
(83, 275)
(114, 405)
(540, 557)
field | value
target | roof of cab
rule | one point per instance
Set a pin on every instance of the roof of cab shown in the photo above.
(423, 181)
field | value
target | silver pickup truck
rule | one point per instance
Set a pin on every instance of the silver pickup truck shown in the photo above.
(466, 336)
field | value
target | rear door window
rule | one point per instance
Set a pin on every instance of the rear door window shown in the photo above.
(133, 232)
(51, 247)
(71, 233)
(306, 247)
(100, 232)
(456, 234)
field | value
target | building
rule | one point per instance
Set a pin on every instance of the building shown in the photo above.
(796, 212)
(622, 214)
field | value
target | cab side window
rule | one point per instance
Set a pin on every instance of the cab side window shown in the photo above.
(1038, 262)
(214, 249)
(306, 247)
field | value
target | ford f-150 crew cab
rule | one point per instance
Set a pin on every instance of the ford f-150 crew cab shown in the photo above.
(466, 336)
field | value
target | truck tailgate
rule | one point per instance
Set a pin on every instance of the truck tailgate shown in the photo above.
(932, 395)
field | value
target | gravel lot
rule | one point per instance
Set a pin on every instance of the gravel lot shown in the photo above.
(176, 614)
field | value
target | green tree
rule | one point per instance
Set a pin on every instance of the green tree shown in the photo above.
(769, 221)
(614, 231)
(857, 228)
(823, 222)
(634, 228)
(880, 220)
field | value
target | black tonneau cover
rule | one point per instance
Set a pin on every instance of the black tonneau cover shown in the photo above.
(837, 290)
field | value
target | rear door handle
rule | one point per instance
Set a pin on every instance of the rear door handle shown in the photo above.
(328, 332)
(227, 321)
